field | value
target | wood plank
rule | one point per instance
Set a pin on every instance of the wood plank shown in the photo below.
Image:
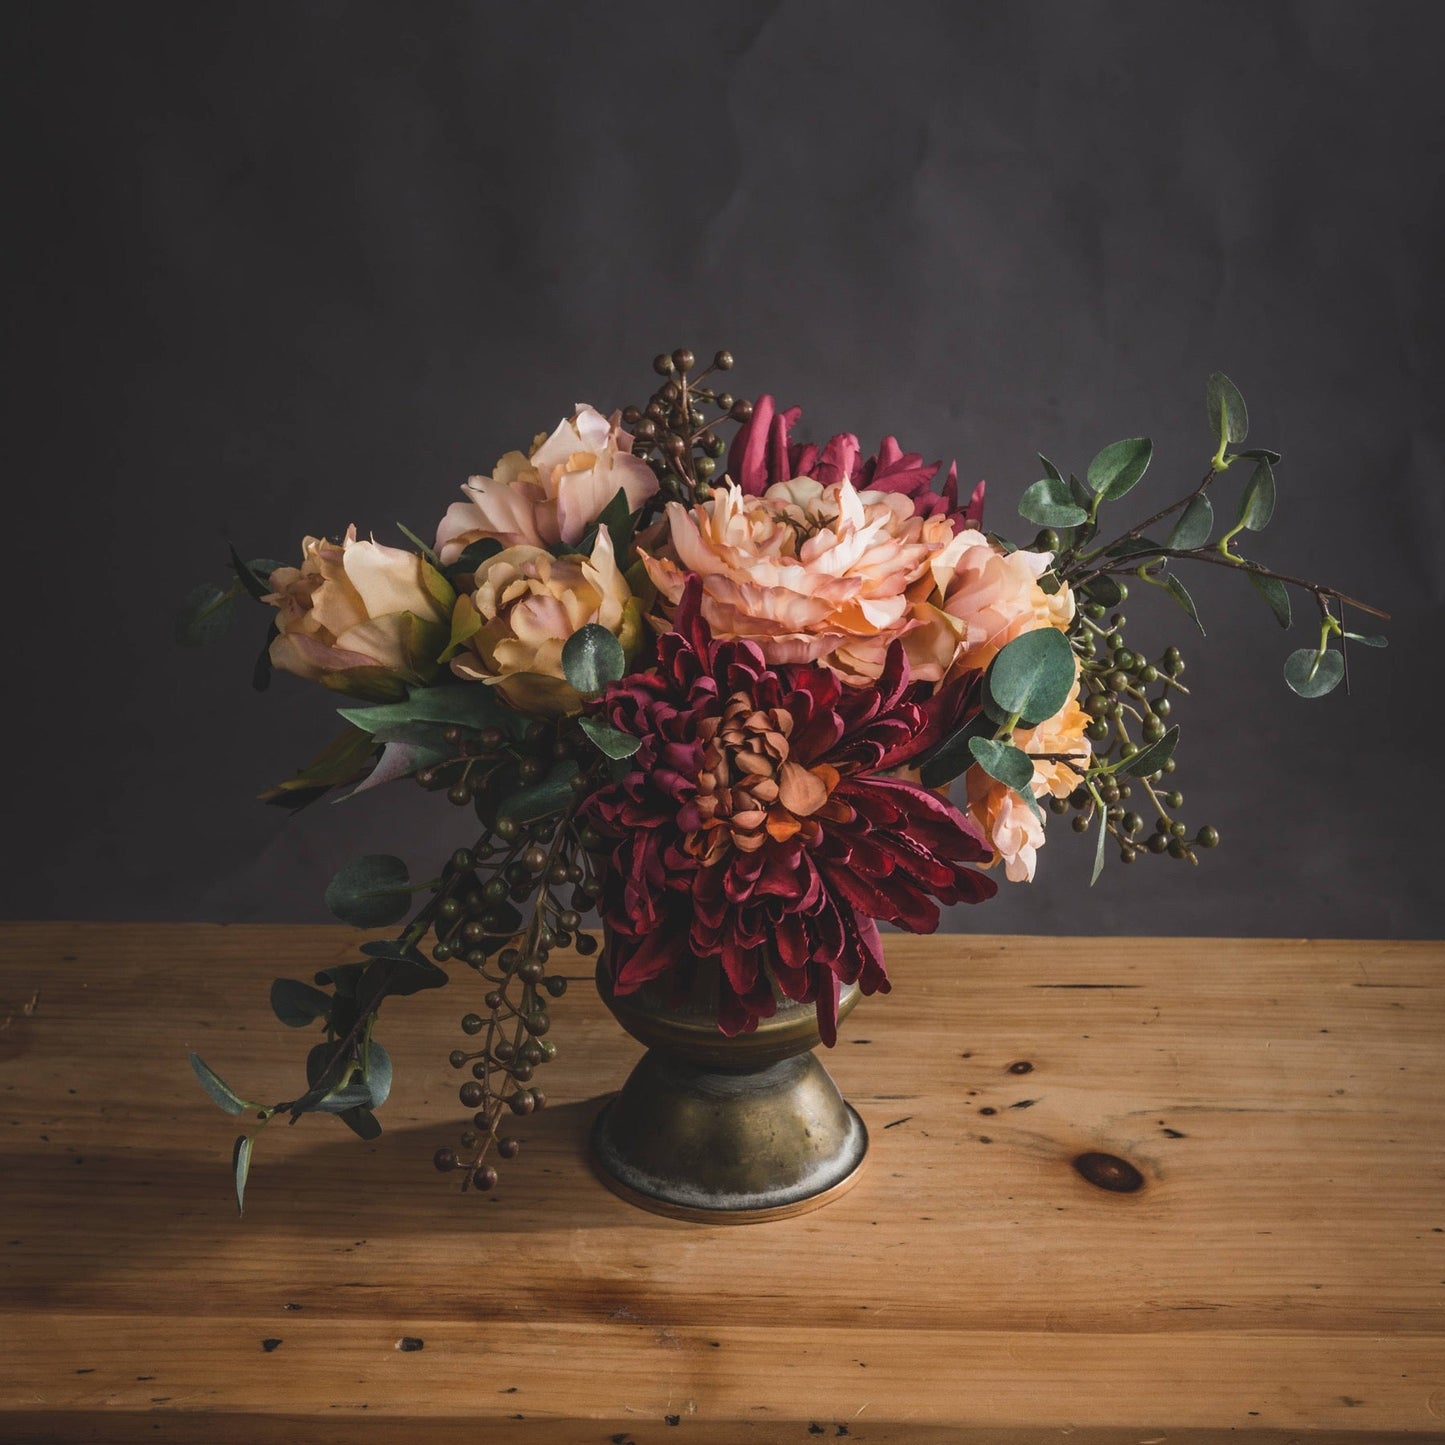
(1281, 1269)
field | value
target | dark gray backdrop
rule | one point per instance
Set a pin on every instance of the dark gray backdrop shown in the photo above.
(275, 268)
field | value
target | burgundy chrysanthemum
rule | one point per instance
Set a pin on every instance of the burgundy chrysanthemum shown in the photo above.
(758, 826)
(762, 455)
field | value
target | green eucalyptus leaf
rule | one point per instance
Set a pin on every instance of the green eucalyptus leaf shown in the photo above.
(297, 1004)
(1049, 503)
(1256, 506)
(1119, 466)
(1313, 674)
(1276, 594)
(1368, 641)
(241, 1168)
(592, 659)
(1180, 593)
(361, 1121)
(1099, 846)
(371, 891)
(610, 740)
(1105, 591)
(1080, 493)
(1151, 758)
(348, 1096)
(1195, 524)
(322, 1073)
(1006, 763)
(378, 1073)
(1050, 470)
(1228, 415)
(543, 799)
(219, 1090)
(206, 614)
(343, 977)
(952, 756)
(1032, 676)
(1258, 454)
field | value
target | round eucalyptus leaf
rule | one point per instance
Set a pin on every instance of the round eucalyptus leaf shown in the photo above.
(1032, 677)
(592, 658)
(371, 891)
(1119, 466)
(1195, 523)
(297, 1004)
(1228, 415)
(1313, 674)
(1050, 503)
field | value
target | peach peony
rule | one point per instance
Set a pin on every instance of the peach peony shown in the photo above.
(525, 604)
(554, 495)
(1002, 816)
(359, 617)
(811, 573)
(985, 597)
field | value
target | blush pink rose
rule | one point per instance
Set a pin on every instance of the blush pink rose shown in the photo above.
(553, 495)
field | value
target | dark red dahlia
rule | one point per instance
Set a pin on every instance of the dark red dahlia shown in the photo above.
(758, 826)
(762, 455)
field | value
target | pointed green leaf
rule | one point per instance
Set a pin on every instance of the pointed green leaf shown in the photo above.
(219, 1090)
(361, 1121)
(1276, 594)
(1367, 641)
(473, 556)
(1258, 454)
(241, 1168)
(612, 741)
(1032, 676)
(1195, 523)
(1180, 593)
(378, 1073)
(617, 518)
(1119, 466)
(297, 1004)
(1050, 470)
(1313, 674)
(420, 546)
(206, 614)
(952, 756)
(1050, 504)
(1151, 758)
(592, 659)
(1228, 415)
(1256, 506)
(470, 705)
(1099, 846)
(371, 891)
(541, 800)
(343, 761)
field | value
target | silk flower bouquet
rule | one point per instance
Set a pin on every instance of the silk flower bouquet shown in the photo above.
(721, 708)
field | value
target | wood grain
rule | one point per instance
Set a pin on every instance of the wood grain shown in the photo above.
(1279, 1275)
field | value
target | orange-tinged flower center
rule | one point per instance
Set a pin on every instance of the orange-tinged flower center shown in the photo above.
(749, 789)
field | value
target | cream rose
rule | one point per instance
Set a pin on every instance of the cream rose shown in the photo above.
(811, 573)
(524, 606)
(554, 495)
(359, 617)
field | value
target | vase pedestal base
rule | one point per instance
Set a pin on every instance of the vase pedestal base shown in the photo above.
(699, 1142)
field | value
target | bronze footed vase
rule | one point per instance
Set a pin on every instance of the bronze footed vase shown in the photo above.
(720, 1130)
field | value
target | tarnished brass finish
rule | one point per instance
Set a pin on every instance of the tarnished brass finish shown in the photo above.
(727, 1130)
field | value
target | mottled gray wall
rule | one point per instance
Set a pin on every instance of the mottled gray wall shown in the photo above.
(279, 267)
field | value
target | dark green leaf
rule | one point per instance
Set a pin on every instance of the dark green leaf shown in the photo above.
(612, 741)
(1256, 506)
(343, 977)
(1313, 674)
(592, 658)
(1119, 466)
(241, 1168)
(952, 756)
(1050, 504)
(472, 557)
(371, 891)
(1105, 591)
(541, 800)
(617, 518)
(1099, 846)
(1136, 547)
(323, 1071)
(1195, 524)
(378, 1073)
(360, 1120)
(1032, 676)
(1228, 416)
(205, 615)
(1259, 454)
(1153, 757)
(261, 672)
(1080, 493)
(398, 974)
(218, 1088)
(1180, 593)
(1368, 641)
(255, 575)
(469, 705)
(349, 1096)
(1010, 765)
(1050, 470)
(1276, 594)
(297, 1004)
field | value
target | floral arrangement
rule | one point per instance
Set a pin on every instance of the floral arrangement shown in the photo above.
(719, 705)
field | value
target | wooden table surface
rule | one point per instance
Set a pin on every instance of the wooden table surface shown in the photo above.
(1279, 1276)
